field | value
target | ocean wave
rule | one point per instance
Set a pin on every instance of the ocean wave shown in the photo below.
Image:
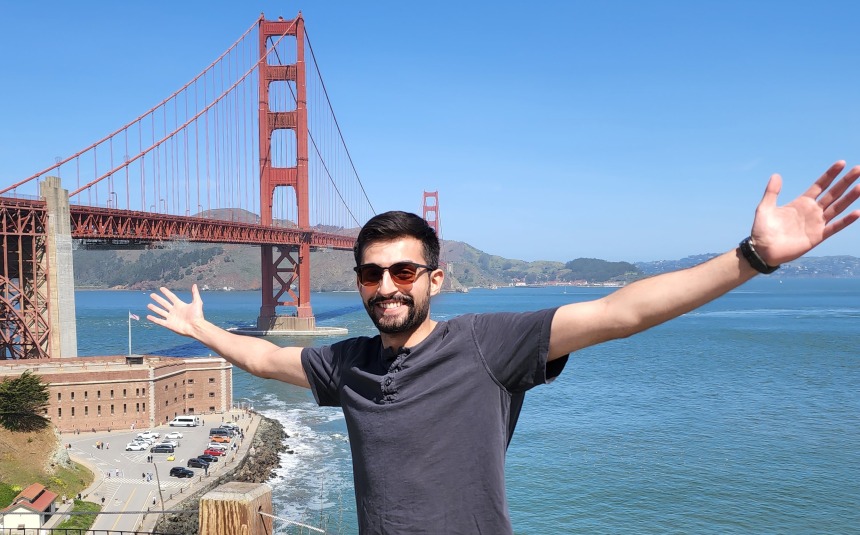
(314, 479)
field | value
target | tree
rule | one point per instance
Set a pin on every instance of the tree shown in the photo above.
(23, 401)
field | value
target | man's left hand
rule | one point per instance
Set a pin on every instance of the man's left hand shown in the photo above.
(783, 233)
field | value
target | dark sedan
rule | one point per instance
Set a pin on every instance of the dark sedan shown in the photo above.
(181, 471)
(208, 458)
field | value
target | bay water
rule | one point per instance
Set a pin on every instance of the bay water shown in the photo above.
(740, 417)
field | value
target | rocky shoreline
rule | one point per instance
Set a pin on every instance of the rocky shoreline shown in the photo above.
(267, 444)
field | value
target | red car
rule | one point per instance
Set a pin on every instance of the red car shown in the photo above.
(211, 451)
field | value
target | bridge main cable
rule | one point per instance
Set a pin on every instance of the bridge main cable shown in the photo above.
(59, 164)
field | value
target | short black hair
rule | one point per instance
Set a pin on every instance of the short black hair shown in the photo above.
(390, 226)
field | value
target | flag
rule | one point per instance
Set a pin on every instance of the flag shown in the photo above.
(133, 316)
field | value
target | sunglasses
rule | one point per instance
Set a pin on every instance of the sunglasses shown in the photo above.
(401, 273)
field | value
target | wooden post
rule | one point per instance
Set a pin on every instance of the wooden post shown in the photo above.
(233, 509)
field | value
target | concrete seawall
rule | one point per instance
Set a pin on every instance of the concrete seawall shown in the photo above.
(253, 460)
(256, 459)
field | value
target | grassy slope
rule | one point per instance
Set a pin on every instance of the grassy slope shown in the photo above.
(24, 460)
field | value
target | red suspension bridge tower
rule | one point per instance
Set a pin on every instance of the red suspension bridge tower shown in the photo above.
(430, 213)
(430, 210)
(282, 266)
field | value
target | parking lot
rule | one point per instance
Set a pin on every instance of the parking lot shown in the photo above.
(131, 481)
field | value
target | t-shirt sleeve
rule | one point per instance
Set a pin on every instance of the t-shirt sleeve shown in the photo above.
(319, 366)
(515, 347)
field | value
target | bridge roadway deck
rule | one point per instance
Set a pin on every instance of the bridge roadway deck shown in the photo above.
(119, 474)
(115, 225)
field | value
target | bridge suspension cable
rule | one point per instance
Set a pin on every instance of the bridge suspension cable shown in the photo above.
(195, 152)
(337, 125)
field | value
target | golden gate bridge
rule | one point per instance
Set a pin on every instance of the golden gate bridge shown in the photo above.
(249, 151)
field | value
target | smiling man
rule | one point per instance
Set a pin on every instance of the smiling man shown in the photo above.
(431, 406)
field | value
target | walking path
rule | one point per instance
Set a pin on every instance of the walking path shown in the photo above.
(125, 481)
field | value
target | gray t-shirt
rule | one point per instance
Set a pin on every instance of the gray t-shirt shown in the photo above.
(429, 425)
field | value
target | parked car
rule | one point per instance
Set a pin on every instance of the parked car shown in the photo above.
(162, 448)
(217, 446)
(135, 446)
(220, 438)
(181, 471)
(173, 435)
(208, 458)
(173, 443)
(148, 434)
(196, 462)
(215, 452)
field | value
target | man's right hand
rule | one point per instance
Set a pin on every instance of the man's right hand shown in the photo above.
(254, 355)
(175, 314)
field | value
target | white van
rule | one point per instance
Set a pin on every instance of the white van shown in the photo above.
(185, 421)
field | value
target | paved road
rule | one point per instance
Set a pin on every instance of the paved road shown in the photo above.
(127, 482)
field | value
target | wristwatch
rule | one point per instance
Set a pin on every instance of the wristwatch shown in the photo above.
(753, 258)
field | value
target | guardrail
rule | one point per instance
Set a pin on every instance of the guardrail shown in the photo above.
(229, 509)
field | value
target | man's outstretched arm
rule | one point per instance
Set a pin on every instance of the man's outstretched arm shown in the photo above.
(254, 355)
(779, 233)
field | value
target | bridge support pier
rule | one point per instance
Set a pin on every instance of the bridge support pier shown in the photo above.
(286, 323)
(63, 339)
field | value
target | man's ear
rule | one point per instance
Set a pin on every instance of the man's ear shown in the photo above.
(437, 277)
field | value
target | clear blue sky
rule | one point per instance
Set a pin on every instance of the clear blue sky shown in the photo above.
(621, 130)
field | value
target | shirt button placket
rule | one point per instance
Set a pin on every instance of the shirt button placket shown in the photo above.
(388, 390)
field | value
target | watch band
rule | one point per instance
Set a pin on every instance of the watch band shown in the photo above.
(749, 252)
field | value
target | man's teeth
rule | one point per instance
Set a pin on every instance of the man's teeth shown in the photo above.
(390, 304)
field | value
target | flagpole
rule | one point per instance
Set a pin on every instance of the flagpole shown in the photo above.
(129, 333)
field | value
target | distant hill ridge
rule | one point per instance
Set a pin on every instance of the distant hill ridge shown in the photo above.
(844, 267)
(237, 267)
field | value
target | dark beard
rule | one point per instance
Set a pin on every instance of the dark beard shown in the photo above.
(413, 319)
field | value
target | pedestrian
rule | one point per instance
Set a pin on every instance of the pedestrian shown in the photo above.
(143, 475)
(462, 381)
(103, 501)
(153, 500)
(107, 445)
